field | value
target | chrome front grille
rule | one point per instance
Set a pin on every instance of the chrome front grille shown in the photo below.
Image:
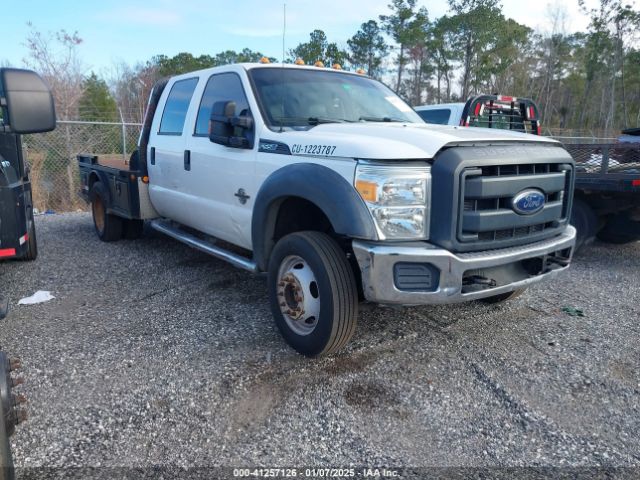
(475, 186)
(486, 214)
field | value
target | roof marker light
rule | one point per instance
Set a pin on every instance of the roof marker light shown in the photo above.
(318, 64)
(336, 66)
(299, 61)
(265, 60)
(360, 71)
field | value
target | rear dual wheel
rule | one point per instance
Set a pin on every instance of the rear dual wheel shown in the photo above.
(111, 227)
(108, 226)
(313, 294)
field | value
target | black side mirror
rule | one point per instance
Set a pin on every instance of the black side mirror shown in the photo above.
(227, 129)
(26, 101)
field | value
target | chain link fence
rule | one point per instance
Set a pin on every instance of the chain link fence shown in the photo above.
(574, 135)
(54, 168)
(52, 160)
(606, 157)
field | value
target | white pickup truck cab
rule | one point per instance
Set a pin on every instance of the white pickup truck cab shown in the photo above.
(441, 113)
(334, 187)
(486, 111)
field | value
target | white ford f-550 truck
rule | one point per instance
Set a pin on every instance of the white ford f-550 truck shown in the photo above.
(334, 187)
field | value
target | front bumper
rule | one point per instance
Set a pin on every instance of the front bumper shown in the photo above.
(500, 271)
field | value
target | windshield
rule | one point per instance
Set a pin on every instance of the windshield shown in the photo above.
(298, 99)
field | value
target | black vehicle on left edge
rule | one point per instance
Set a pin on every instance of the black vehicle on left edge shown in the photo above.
(26, 106)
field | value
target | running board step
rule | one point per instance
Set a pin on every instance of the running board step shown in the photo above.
(204, 246)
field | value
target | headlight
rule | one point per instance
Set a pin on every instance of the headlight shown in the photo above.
(398, 198)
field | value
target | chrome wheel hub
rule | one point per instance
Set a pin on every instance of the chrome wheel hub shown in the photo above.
(298, 295)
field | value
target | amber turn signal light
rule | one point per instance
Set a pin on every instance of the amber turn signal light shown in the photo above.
(367, 190)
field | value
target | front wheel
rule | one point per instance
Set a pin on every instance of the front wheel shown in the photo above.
(313, 294)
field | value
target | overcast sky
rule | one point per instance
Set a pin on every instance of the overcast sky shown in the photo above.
(134, 30)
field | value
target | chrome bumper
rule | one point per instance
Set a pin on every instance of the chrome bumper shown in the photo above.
(377, 260)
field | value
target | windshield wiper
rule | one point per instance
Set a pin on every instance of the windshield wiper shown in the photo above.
(381, 119)
(309, 120)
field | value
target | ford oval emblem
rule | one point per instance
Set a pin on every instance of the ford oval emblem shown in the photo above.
(528, 202)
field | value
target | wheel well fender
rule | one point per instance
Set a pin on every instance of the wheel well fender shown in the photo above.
(336, 198)
(102, 178)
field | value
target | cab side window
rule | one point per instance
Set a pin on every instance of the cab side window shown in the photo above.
(220, 88)
(175, 109)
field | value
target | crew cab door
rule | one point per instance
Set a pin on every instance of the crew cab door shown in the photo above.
(166, 151)
(221, 180)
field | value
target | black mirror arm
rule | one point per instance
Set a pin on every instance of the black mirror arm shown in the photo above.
(243, 121)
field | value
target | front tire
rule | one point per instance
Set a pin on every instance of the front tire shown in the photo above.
(108, 226)
(503, 297)
(313, 294)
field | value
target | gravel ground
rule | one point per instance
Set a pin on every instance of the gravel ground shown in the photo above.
(156, 354)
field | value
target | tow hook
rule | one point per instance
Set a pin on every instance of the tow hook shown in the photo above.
(479, 280)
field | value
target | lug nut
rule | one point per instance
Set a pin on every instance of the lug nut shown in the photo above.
(15, 364)
(17, 381)
(21, 415)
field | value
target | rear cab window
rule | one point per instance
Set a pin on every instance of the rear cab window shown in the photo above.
(438, 116)
(176, 107)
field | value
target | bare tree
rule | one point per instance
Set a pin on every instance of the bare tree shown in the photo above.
(131, 86)
(55, 57)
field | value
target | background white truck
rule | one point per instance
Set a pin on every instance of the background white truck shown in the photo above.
(486, 111)
(334, 187)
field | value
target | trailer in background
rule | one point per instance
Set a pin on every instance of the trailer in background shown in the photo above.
(607, 191)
